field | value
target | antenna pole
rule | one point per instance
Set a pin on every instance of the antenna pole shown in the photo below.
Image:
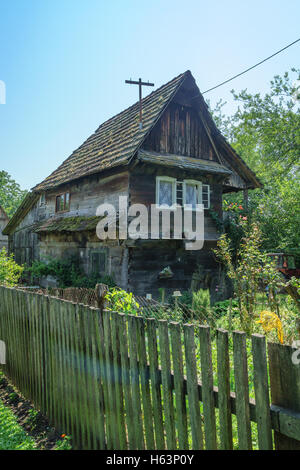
(140, 84)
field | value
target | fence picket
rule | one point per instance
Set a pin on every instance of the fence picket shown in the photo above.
(135, 383)
(110, 378)
(122, 330)
(73, 402)
(224, 390)
(145, 385)
(192, 386)
(261, 388)
(86, 337)
(179, 386)
(207, 388)
(105, 384)
(166, 384)
(118, 381)
(155, 384)
(98, 386)
(242, 390)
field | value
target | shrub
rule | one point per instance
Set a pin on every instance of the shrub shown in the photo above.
(10, 271)
(67, 273)
(249, 272)
(221, 308)
(201, 300)
(121, 301)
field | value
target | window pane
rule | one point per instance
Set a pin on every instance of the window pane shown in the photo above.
(67, 201)
(59, 203)
(205, 196)
(165, 193)
(191, 194)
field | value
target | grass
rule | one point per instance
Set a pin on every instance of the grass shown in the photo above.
(12, 435)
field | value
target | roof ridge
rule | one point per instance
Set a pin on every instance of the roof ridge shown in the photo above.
(165, 85)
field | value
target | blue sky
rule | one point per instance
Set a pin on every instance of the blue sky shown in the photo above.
(64, 63)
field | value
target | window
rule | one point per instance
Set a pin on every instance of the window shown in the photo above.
(98, 260)
(165, 191)
(170, 191)
(194, 192)
(43, 199)
(206, 196)
(63, 202)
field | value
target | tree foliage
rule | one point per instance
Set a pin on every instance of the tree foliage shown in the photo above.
(265, 131)
(250, 271)
(10, 271)
(11, 195)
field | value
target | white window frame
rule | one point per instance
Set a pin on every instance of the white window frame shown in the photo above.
(196, 183)
(208, 192)
(168, 179)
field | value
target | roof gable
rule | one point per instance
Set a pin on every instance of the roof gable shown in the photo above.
(117, 140)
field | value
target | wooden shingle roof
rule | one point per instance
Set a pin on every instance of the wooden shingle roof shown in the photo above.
(116, 140)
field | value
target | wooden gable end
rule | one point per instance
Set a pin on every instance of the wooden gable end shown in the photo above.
(179, 131)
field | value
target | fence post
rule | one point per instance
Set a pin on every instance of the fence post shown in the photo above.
(285, 392)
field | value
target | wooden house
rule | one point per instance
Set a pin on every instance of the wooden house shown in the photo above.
(3, 222)
(178, 145)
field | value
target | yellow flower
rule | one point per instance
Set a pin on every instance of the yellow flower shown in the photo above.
(270, 321)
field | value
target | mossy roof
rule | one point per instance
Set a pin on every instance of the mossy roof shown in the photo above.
(68, 224)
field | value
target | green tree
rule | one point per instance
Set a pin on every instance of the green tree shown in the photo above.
(265, 132)
(251, 270)
(10, 271)
(11, 195)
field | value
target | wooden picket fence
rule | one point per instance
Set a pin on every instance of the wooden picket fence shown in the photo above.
(113, 381)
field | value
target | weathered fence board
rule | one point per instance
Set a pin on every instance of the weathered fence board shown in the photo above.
(242, 390)
(192, 386)
(207, 388)
(285, 393)
(179, 385)
(115, 381)
(261, 387)
(166, 384)
(135, 382)
(145, 384)
(155, 384)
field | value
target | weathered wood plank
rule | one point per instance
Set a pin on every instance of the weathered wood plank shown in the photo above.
(110, 380)
(155, 384)
(145, 385)
(181, 413)
(207, 388)
(104, 390)
(122, 328)
(166, 384)
(284, 373)
(98, 386)
(73, 400)
(242, 390)
(135, 383)
(261, 388)
(192, 387)
(118, 380)
(224, 390)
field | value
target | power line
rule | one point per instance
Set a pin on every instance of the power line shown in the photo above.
(250, 68)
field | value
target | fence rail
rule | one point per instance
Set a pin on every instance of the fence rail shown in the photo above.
(123, 382)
